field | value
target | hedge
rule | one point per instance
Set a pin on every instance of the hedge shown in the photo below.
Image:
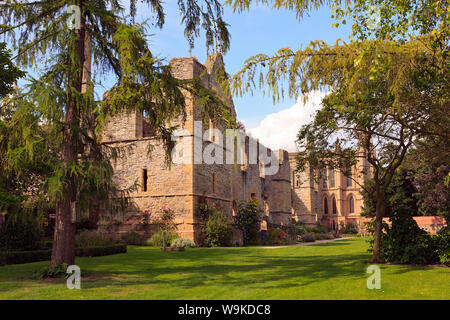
(101, 251)
(18, 257)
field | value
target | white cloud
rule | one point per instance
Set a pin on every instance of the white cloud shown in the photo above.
(279, 130)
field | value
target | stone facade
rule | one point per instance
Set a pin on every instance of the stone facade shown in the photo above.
(285, 197)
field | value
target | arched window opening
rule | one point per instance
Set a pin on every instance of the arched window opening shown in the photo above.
(351, 204)
(332, 183)
(325, 205)
(334, 205)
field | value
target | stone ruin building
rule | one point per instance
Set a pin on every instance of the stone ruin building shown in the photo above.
(285, 197)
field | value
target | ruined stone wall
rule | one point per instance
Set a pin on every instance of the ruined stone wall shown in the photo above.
(284, 197)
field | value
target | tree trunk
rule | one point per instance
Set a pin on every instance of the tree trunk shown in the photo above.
(63, 250)
(379, 215)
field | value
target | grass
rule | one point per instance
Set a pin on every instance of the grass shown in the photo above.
(335, 270)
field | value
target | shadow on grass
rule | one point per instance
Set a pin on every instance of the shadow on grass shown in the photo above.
(238, 267)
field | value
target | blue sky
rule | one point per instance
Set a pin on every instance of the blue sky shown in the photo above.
(261, 30)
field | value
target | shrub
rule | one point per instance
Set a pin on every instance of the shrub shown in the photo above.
(318, 229)
(156, 239)
(101, 250)
(18, 257)
(183, 242)
(133, 238)
(350, 228)
(218, 231)
(300, 229)
(248, 218)
(59, 271)
(277, 236)
(443, 246)
(22, 231)
(405, 242)
(92, 238)
(308, 237)
(324, 236)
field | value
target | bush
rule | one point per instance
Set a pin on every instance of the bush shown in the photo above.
(404, 242)
(183, 242)
(101, 250)
(277, 236)
(22, 231)
(324, 236)
(443, 246)
(350, 228)
(133, 238)
(307, 237)
(18, 257)
(318, 229)
(92, 238)
(300, 229)
(248, 218)
(59, 271)
(218, 231)
(156, 239)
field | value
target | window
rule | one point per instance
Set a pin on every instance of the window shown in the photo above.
(234, 208)
(311, 177)
(332, 177)
(213, 178)
(325, 178)
(349, 177)
(334, 205)
(351, 204)
(325, 205)
(144, 180)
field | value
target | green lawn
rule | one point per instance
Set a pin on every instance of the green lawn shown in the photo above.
(335, 270)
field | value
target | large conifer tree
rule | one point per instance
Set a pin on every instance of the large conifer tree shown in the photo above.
(51, 36)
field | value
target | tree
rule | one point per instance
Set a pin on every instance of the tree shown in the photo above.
(388, 87)
(63, 96)
(9, 73)
(380, 96)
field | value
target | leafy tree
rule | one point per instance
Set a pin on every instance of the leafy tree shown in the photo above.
(248, 219)
(380, 98)
(388, 87)
(376, 19)
(63, 96)
(9, 73)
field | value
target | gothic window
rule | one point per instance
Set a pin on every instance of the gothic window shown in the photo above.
(325, 205)
(325, 178)
(349, 177)
(332, 177)
(334, 205)
(351, 204)
(144, 180)
(213, 178)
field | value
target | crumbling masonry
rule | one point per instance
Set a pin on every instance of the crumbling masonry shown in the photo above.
(285, 197)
